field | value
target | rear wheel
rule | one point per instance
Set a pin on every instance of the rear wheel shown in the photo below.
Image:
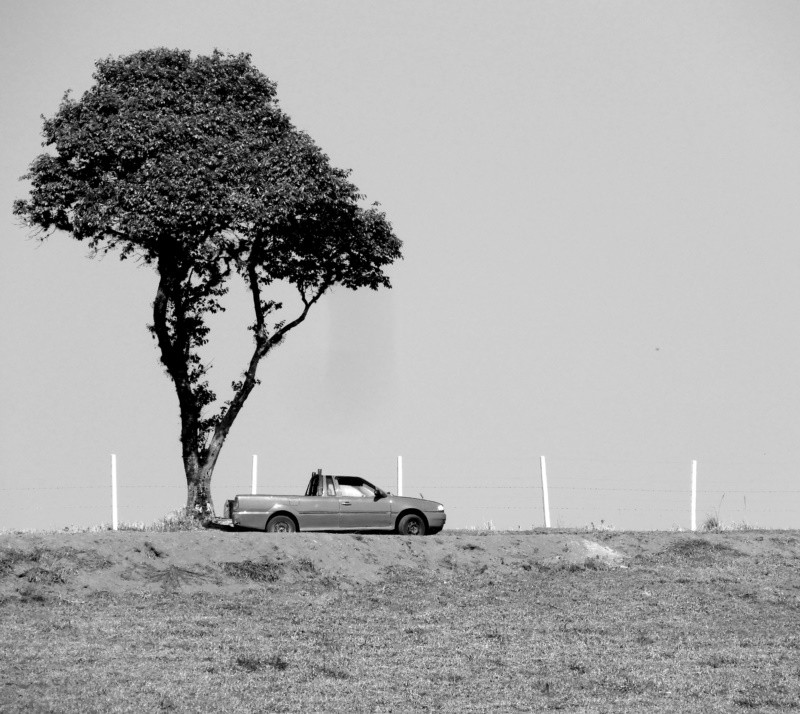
(281, 524)
(412, 524)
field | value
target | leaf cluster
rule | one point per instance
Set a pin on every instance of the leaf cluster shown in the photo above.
(190, 161)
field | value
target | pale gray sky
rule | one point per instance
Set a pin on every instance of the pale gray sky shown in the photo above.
(599, 205)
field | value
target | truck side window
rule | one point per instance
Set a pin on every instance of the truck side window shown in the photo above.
(348, 491)
(312, 486)
(366, 490)
(330, 487)
(353, 484)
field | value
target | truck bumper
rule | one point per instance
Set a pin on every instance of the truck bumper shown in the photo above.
(436, 519)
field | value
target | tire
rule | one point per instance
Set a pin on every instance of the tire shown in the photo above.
(281, 524)
(412, 525)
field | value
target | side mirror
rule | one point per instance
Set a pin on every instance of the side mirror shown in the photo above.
(380, 493)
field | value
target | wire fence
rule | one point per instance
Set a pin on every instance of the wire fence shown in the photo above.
(513, 499)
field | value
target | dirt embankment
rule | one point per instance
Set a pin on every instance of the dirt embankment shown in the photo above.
(230, 561)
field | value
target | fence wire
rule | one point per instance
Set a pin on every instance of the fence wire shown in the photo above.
(502, 500)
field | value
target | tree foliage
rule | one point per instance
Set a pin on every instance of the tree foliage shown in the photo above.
(189, 165)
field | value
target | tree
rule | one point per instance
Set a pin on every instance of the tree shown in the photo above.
(189, 165)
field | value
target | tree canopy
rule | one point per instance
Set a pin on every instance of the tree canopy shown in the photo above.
(189, 165)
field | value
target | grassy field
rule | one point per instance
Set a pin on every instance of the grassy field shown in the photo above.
(690, 624)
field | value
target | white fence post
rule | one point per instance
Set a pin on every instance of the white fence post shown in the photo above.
(114, 492)
(399, 475)
(694, 495)
(545, 497)
(254, 482)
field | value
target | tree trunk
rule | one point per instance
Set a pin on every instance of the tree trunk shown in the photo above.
(198, 499)
(198, 490)
(175, 348)
(199, 467)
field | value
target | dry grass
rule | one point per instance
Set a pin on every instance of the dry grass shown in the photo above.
(696, 627)
(181, 519)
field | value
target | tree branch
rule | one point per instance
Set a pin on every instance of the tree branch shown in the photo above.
(261, 349)
(279, 334)
(161, 327)
(172, 356)
(258, 307)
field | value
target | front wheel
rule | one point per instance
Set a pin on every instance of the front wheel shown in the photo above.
(281, 524)
(411, 524)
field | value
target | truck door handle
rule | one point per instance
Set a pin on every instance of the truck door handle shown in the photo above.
(346, 503)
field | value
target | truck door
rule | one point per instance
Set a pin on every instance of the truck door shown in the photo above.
(319, 508)
(358, 508)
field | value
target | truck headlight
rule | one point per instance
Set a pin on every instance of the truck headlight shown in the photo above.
(440, 507)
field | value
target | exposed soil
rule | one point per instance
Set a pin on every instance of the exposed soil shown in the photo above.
(223, 560)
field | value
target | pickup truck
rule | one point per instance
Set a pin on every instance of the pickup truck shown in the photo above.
(337, 503)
